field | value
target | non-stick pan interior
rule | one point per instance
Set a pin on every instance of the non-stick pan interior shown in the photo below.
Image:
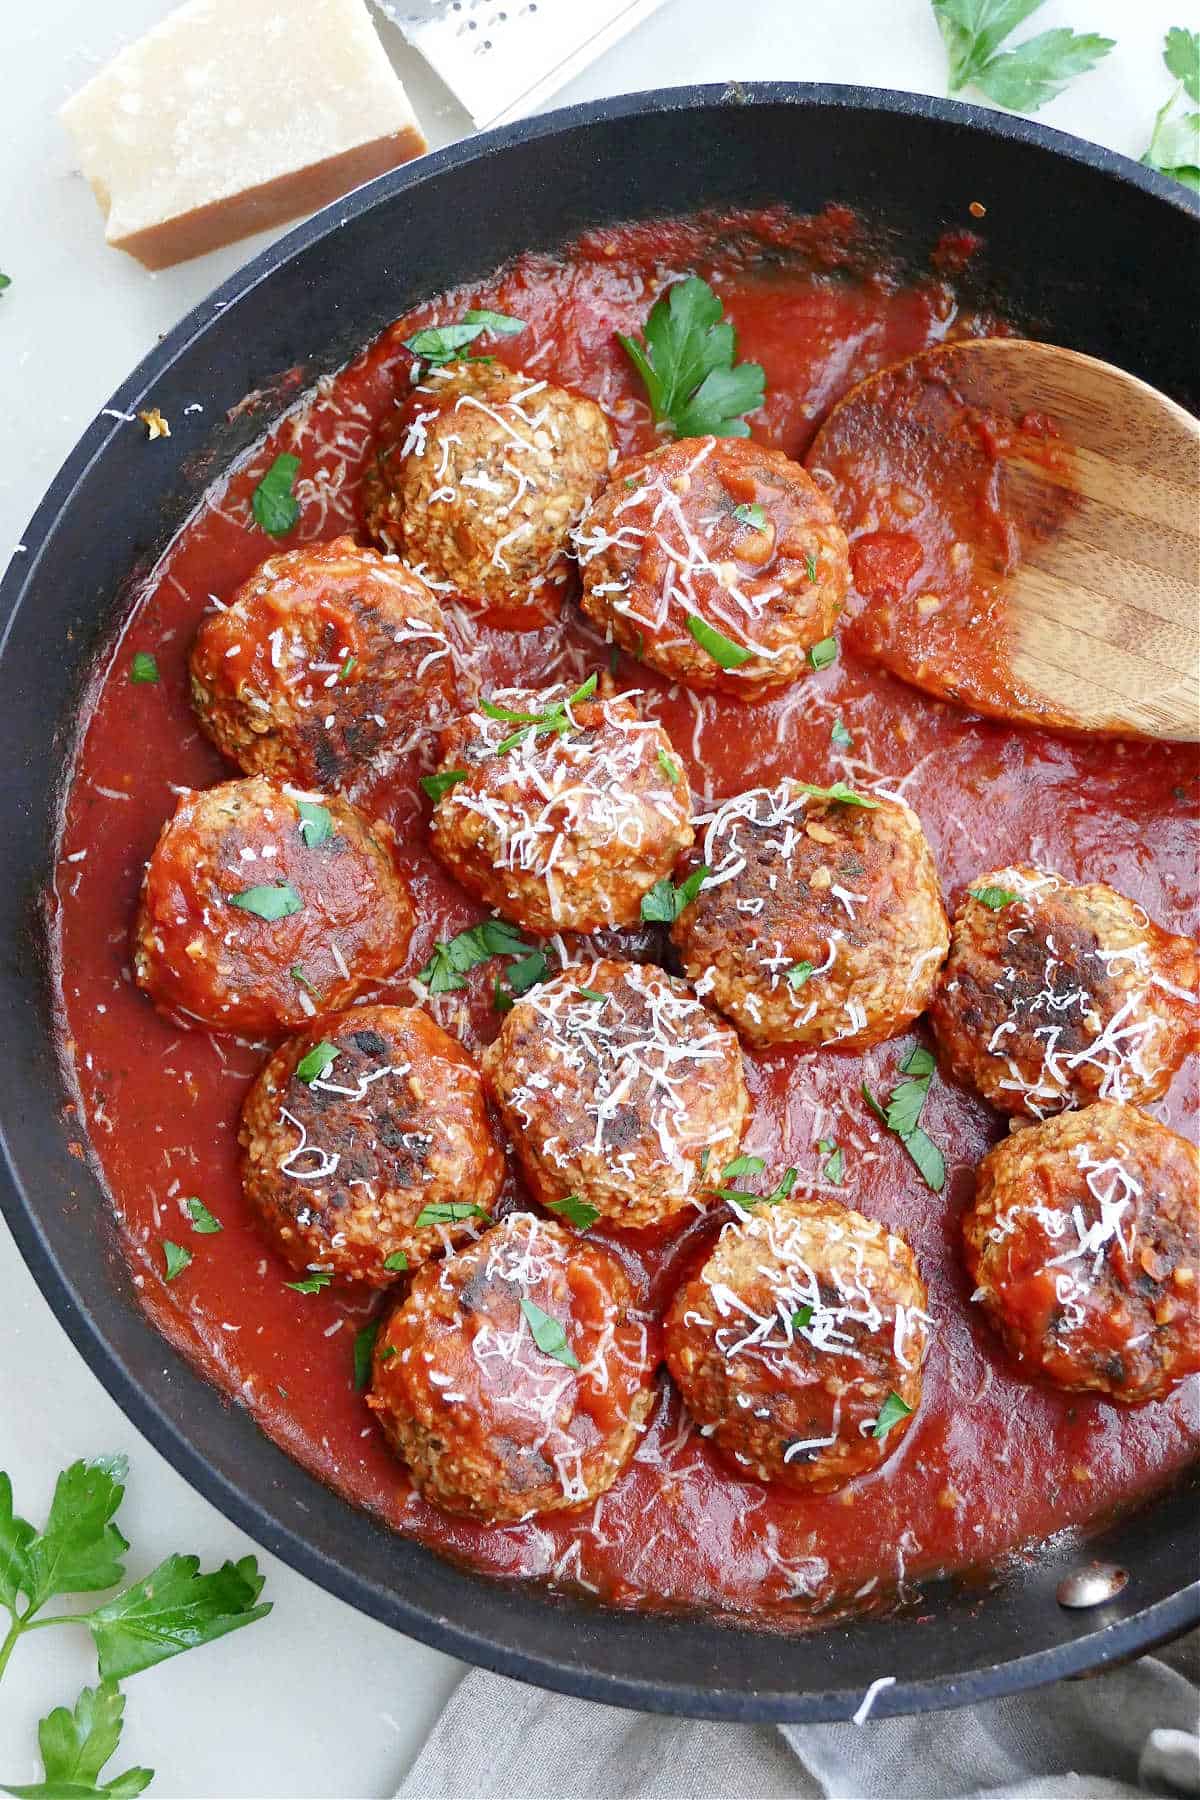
(1070, 235)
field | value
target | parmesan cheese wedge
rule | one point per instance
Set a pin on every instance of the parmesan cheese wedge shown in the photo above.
(235, 115)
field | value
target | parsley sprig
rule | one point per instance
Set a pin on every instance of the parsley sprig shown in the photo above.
(686, 364)
(273, 503)
(664, 903)
(79, 1550)
(446, 970)
(903, 1112)
(1021, 79)
(1174, 147)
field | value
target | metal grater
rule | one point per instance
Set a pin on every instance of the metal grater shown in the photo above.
(502, 58)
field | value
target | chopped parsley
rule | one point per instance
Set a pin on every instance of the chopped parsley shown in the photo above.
(316, 823)
(664, 903)
(453, 957)
(5, 282)
(347, 668)
(802, 1317)
(798, 974)
(315, 1062)
(311, 1284)
(840, 736)
(1174, 147)
(714, 643)
(821, 655)
(450, 1212)
(742, 1165)
(993, 897)
(204, 1223)
(364, 1350)
(686, 364)
(176, 1258)
(437, 785)
(669, 768)
(577, 1212)
(890, 1413)
(275, 507)
(1023, 79)
(549, 1335)
(836, 1164)
(810, 565)
(498, 323)
(144, 667)
(278, 900)
(590, 994)
(751, 515)
(396, 1263)
(439, 344)
(844, 795)
(556, 718)
(297, 974)
(902, 1115)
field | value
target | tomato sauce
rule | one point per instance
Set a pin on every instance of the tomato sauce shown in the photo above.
(991, 1463)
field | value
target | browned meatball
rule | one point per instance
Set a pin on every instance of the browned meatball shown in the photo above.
(321, 665)
(1054, 995)
(359, 1128)
(515, 1377)
(714, 535)
(262, 904)
(1083, 1242)
(798, 1345)
(561, 830)
(479, 477)
(616, 1084)
(821, 921)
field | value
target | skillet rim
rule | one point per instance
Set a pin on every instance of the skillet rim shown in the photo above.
(1114, 1638)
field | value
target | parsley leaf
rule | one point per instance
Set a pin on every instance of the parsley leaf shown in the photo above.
(79, 1549)
(274, 505)
(278, 900)
(835, 1167)
(668, 766)
(437, 785)
(500, 324)
(5, 282)
(364, 1350)
(16, 1536)
(751, 515)
(549, 1335)
(1174, 147)
(439, 344)
(822, 655)
(742, 1165)
(176, 1259)
(840, 736)
(172, 1609)
(204, 1223)
(452, 957)
(903, 1112)
(75, 1746)
(798, 974)
(1022, 79)
(802, 1317)
(555, 718)
(314, 1063)
(664, 903)
(577, 1212)
(396, 1263)
(723, 650)
(452, 1212)
(744, 1200)
(890, 1413)
(687, 367)
(316, 823)
(311, 1284)
(993, 897)
(144, 667)
(840, 792)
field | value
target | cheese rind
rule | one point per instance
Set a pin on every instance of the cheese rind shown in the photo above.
(232, 116)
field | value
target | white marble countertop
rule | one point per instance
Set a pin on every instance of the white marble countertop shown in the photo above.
(318, 1700)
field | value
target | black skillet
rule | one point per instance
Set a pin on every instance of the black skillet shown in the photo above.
(1087, 248)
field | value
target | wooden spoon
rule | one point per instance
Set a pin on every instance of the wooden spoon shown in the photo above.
(1025, 535)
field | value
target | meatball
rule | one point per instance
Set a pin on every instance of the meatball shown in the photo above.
(798, 1345)
(354, 1130)
(1054, 995)
(262, 905)
(715, 560)
(562, 828)
(617, 1084)
(821, 920)
(1083, 1241)
(515, 1378)
(323, 662)
(478, 479)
